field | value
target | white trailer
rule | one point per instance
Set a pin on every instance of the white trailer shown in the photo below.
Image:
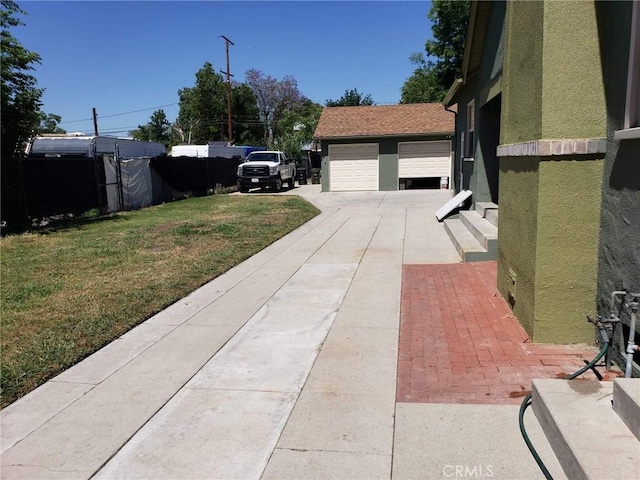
(213, 149)
(198, 151)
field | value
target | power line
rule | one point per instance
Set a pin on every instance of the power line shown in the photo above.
(120, 114)
(216, 121)
(210, 123)
(162, 106)
(141, 110)
(245, 121)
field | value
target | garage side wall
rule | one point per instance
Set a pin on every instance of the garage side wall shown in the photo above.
(324, 167)
(388, 158)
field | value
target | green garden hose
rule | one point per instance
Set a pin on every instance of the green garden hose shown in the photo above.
(527, 401)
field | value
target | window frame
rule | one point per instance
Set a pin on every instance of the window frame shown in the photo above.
(470, 131)
(631, 127)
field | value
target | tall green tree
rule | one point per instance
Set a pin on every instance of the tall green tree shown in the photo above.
(20, 109)
(296, 128)
(203, 108)
(351, 98)
(157, 130)
(50, 123)
(246, 124)
(435, 73)
(183, 128)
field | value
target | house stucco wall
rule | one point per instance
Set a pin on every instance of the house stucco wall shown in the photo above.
(549, 45)
(484, 180)
(573, 102)
(619, 251)
(554, 84)
(466, 94)
(566, 249)
(546, 239)
(517, 230)
(492, 54)
(483, 85)
(522, 73)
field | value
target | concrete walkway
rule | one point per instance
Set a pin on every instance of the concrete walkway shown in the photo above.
(284, 367)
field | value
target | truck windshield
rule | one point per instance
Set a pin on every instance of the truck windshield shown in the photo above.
(261, 157)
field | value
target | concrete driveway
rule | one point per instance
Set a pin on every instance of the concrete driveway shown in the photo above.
(284, 367)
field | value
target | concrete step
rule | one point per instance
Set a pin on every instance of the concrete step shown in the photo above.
(488, 210)
(484, 231)
(466, 244)
(492, 216)
(589, 439)
(626, 402)
(483, 207)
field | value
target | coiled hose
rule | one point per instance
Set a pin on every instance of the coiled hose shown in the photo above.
(527, 402)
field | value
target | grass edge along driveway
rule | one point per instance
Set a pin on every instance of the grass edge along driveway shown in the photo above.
(68, 290)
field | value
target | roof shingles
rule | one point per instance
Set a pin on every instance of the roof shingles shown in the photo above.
(384, 120)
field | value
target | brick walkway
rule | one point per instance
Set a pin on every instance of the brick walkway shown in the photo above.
(460, 343)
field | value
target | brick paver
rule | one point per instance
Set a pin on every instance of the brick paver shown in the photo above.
(460, 343)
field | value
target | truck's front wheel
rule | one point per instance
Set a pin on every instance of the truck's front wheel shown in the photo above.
(277, 186)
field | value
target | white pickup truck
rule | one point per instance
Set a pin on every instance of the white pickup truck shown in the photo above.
(266, 169)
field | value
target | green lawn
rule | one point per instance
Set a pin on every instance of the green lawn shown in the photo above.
(69, 289)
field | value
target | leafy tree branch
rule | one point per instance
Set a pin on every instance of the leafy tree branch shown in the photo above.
(436, 72)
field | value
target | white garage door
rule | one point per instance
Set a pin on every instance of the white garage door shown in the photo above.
(353, 167)
(424, 159)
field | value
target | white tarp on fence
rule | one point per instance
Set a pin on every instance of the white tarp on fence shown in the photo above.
(136, 183)
(128, 183)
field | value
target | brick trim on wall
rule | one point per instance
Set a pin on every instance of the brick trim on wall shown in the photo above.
(545, 148)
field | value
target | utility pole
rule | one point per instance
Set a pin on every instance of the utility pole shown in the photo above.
(95, 122)
(228, 74)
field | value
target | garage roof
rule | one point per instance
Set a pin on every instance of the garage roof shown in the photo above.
(384, 120)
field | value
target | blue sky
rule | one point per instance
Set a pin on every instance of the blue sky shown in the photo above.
(126, 56)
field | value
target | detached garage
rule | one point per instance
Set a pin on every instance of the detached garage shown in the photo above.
(385, 147)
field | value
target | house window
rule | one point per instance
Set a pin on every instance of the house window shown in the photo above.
(632, 107)
(471, 127)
